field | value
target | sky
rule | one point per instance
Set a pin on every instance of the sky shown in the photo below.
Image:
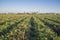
(42, 6)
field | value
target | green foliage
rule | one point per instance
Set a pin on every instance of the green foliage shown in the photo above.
(29, 27)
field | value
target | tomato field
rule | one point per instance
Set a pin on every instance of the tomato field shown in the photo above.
(29, 27)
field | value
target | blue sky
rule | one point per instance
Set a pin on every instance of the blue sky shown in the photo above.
(30, 6)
